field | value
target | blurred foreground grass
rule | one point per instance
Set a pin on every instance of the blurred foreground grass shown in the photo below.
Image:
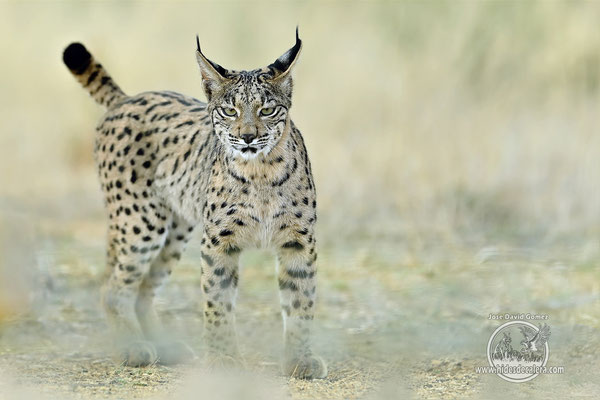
(456, 150)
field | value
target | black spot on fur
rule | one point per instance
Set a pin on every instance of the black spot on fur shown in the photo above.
(293, 245)
(220, 271)
(283, 285)
(231, 250)
(299, 274)
(207, 258)
(91, 78)
(225, 283)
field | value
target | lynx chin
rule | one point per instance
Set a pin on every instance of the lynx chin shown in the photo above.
(236, 168)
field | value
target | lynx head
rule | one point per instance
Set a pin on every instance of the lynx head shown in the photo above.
(249, 109)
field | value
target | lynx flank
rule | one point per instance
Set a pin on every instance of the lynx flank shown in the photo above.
(237, 168)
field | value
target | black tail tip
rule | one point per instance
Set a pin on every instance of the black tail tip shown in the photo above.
(77, 58)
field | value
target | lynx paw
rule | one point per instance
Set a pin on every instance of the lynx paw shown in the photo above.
(311, 367)
(139, 354)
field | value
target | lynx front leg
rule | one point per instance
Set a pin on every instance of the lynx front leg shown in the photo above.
(219, 285)
(297, 287)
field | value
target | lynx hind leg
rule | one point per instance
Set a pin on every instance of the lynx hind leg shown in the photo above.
(132, 249)
(169, 351)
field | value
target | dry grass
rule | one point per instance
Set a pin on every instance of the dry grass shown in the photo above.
(414, 114)
(456, 153)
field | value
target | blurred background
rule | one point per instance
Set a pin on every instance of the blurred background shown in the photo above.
(456, 152)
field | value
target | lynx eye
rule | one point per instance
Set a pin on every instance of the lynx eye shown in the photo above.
(267, 111)
(230, 112)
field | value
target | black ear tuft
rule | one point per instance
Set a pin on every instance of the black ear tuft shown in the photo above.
(77, 58)
(283, 63)
(222, 71)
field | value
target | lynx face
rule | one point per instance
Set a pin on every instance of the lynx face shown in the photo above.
(249, 109)
(248, 115)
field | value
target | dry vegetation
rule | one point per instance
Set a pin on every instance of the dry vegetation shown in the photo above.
(456, 148)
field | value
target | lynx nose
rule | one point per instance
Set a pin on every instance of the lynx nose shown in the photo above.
(248, 137)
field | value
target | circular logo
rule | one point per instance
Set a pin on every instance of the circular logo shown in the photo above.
(518, 350)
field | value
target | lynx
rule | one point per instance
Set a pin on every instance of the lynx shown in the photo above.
(237, 168)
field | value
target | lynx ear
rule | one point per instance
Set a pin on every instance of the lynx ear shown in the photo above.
(282, 67)
(213, 75)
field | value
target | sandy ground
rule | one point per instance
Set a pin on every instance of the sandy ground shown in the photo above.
(393, 321)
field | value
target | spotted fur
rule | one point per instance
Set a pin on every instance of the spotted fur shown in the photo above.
(237, 167)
